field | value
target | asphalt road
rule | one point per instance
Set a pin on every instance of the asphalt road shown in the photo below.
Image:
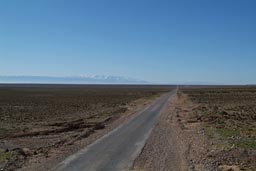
(117, 150)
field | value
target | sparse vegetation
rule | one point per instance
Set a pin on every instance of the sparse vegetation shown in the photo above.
(229, 117)
(5, 156)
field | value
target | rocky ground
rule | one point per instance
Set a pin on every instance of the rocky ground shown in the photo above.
(227, 116)
(201, 129)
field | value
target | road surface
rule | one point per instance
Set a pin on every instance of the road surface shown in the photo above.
(117, 150)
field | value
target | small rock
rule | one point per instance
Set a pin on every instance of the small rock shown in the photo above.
(23, 152)
(27, 151)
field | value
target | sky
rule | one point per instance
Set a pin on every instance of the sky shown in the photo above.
(160, 41)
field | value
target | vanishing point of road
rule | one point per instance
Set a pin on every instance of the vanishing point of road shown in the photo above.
(117, 150)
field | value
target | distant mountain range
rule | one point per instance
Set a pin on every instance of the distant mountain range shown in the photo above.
(83, 79)
(199, 83)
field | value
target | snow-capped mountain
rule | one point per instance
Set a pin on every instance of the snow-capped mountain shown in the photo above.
(82, 79)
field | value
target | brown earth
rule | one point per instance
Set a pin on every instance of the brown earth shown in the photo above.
(40, 126)
(228, 117)
(206, 129)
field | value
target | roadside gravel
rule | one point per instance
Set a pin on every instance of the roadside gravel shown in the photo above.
(175, 144)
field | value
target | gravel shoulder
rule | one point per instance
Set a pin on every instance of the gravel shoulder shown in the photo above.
(174, 143)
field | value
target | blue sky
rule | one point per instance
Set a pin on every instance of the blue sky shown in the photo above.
(160, 41)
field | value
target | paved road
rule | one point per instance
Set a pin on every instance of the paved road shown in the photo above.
(117, 150)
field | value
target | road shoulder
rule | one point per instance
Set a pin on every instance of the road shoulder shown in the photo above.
(173, 142)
